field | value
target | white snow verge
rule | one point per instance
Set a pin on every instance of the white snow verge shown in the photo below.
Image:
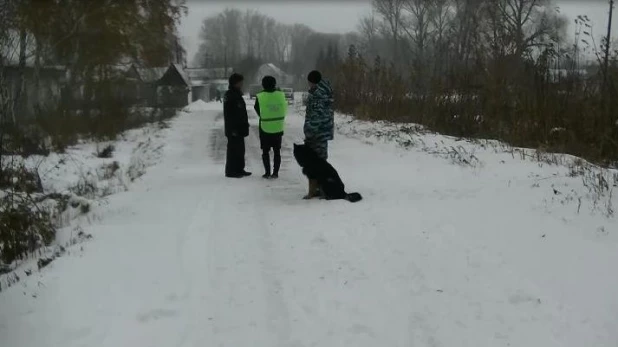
(565, 179)
(77, 182)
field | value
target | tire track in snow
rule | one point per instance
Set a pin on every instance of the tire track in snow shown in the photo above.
(188, 248)
(238, 288)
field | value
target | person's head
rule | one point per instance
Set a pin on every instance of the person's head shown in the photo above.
(269, 83)
(314, 77)
(236, 81)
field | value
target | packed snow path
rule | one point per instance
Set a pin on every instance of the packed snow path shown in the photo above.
(436, 255)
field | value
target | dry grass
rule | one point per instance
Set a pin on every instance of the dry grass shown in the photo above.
(524, 109)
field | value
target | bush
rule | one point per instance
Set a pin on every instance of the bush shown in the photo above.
(18, 178)
(23, 228)
(106, 152)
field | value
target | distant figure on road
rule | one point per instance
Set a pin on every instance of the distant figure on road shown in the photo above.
(236, 127)
(218, 95)
(271, 107)
(319, 121)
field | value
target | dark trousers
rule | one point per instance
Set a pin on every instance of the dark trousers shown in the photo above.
(266, 160)
(268, 141)
(235, 158)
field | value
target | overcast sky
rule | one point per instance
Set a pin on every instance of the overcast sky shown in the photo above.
(343, 16)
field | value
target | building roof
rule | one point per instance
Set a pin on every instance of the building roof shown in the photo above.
(271, 69)
(208, 73)
(275, 69)
(149, 75)
(182, 73)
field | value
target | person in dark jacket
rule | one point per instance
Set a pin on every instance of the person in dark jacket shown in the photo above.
(236, 127)
(271, 107)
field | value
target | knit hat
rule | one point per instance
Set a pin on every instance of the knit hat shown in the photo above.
(314, 77)
(269, 82)
(235, 78)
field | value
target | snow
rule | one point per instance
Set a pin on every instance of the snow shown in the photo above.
(87, 181)
(456, 243)
(198, 105)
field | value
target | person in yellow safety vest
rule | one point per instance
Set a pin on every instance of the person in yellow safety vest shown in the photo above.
(271, 106)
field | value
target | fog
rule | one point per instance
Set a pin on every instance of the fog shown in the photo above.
(343, 16)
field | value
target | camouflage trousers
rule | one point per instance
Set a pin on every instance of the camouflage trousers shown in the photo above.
(319, 147)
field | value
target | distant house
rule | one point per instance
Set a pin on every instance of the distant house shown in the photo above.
(171, 86)
(141, 84)
(283, 79)
(205, 83)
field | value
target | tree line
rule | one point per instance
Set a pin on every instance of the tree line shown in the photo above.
(245, 40)
(500, 69)
(87, 33)
(88, 41)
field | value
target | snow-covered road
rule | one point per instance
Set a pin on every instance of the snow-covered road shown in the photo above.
(436, 255)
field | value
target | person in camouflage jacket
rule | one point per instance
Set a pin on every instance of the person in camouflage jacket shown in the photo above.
(319, 118)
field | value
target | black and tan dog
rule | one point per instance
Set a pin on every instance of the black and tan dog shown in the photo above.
(324, 180)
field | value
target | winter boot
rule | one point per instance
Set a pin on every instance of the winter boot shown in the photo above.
(277, 159)
(266, 162)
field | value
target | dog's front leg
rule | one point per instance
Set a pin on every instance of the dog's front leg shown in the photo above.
(313, 189)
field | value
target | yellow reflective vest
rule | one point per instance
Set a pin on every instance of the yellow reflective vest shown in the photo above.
(273, 108)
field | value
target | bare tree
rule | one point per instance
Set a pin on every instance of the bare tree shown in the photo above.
(418, 27)
(392, 12)
(299, 36)
(221, 37)
(282, 42)
(607, 45)
(528, 24)
(250, 28)
(369, 28)
(467, 24)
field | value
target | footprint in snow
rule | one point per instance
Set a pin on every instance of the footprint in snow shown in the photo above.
(359, 329)
(520, 298)
(318, 241)
(155, 315)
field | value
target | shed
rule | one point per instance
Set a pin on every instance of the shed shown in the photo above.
(173, 88)
(141, 84)
(205, 81)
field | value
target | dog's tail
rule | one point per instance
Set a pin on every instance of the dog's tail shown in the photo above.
(354, 197)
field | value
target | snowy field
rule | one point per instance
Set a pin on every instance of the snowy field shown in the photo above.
(455, 244)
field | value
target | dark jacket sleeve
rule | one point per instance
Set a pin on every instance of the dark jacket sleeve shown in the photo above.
(230, 119)
(235, 115)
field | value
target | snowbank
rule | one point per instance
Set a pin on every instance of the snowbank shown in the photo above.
(75, 183)
(566, 180)
(197, 106)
